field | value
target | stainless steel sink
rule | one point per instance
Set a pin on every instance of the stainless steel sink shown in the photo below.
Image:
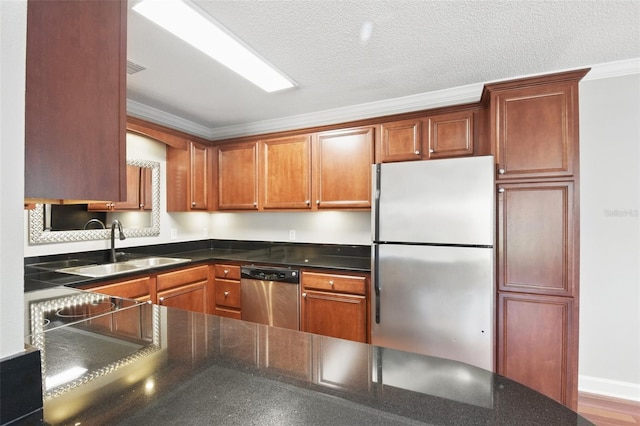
(109, 269)
(156, 261)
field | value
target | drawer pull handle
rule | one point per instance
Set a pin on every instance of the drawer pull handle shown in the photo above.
(304, 294)
(501, 171)
(501, 190)
(226, 293)
(431, 151)
(161, 299)
(417, 153)
(226, 271)
(331, 283)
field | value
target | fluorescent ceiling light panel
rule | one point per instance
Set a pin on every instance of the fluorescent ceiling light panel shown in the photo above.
(202, 32)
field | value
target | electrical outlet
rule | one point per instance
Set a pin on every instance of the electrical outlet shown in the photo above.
(292, 234)
(174, 234)
(205, 232)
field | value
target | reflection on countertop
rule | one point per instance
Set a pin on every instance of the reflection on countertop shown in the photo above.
(205, 369)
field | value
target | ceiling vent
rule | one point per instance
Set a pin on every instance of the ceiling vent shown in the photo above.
(133, 68)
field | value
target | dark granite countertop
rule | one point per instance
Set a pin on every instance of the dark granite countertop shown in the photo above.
(147, 364)
(40, 272)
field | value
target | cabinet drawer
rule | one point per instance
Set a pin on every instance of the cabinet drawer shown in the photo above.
(229, 313)
(182, 277)
(330, 282)
(230, 272)
(228, 293)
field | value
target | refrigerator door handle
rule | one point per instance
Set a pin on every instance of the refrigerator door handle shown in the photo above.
(376, 280)
(376, 202)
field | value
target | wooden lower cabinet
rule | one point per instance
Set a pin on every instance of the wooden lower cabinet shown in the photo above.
(537, 343)
(227, 291)
(335, 305)
(188, 289)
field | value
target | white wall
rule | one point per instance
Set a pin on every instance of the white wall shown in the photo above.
(13, 15)
(610, 237)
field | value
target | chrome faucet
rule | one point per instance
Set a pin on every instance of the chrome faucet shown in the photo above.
(115, 223)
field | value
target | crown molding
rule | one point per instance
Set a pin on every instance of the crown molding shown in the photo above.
(614, 69)
(422, 101)
(154, 115)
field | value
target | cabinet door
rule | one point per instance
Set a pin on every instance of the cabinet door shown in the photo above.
(335, 315)
(199, 173)
(342, 168)
(535, 129)
(286, 173)
(75, 100)
(537, 344)
(189, 289)
(190, 297)
(536, 238)
(133, 190)
(450, 135)
(238, 176)
(146, 188)
(400, 141)
(188, 175)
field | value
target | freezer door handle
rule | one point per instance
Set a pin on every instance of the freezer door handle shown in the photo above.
(376, 280)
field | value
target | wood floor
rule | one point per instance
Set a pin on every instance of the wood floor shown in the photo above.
(605, 411)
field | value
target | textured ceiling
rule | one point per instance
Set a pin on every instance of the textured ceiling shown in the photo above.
(415, 47)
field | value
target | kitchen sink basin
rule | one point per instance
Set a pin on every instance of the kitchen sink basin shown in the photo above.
(108, 269)
(156, 261)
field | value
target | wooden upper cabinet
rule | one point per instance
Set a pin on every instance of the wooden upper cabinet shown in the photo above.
(450, 135)
(238, 176)
(400, 141)
(286, 173)
(342, 168)
(75, 101)
(146, 188)
(536, 130)
(199, 177)
(536, 238)
(189, 175)
(132, 201)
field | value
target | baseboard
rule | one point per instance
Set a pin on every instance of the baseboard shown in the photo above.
(607, 387)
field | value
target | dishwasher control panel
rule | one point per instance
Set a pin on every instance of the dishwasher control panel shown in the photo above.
(265, 273)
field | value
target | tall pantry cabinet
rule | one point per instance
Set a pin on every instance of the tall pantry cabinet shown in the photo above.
(534, 135)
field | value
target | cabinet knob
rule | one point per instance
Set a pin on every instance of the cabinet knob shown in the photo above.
(255, 204)
(193, 204)
(431, 151)
(226, 293)
(331, 283)
(304, 294)
(501, 171)
(417, 152)
(226, 271)
(308, 202)
(161, 299)
(141, 205)
(501, 190)
(318, 202)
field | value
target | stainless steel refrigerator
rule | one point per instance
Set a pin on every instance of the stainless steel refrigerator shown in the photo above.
(433, 258)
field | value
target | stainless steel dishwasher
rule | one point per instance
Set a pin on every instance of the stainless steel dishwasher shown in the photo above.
(270, 296)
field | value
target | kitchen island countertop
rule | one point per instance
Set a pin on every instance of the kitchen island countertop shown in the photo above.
(157, 365)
